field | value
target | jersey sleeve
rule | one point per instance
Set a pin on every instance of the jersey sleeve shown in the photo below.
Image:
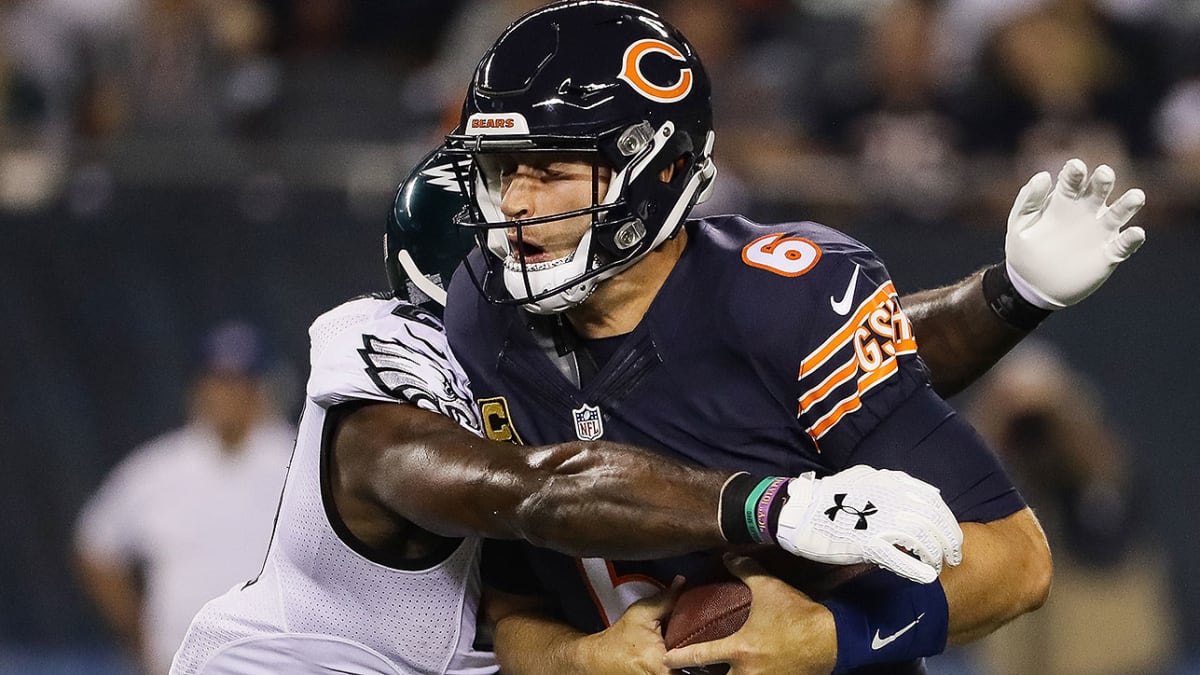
(375, 349)
(862, 392)
(859, 360)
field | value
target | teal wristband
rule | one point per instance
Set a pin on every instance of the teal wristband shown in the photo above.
(750, 507)
(761, 516)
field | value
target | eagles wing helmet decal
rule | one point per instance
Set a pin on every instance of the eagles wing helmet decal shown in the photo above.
(445, 175)
(416, 370)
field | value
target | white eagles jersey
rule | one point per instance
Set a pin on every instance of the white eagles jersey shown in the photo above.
(318, 606)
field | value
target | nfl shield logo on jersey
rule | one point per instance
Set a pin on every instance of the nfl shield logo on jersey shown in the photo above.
(589, 424)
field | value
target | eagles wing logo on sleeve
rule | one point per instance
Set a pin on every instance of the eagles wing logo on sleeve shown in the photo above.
(420, 371)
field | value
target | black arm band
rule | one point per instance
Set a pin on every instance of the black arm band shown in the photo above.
(1007, 303)
(750, 508)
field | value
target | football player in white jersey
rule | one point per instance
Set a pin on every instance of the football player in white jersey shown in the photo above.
(374, 563)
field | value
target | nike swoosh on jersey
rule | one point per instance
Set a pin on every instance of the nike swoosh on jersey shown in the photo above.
(879, 643)
(842, 307)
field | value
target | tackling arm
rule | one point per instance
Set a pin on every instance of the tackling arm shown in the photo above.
(961, 337)
(602, 499)
(394, 459)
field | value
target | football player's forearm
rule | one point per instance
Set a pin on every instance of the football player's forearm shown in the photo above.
(958, 334)
(614, 501)
(590, 499)
(1006, 572)
(531, 643)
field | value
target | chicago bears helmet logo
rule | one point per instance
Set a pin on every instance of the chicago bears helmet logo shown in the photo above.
(631, 71)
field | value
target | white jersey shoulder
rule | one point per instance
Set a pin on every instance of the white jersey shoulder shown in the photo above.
(320, 605)
(373, 348)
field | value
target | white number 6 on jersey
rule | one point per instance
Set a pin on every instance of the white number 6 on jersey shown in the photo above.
(612, 592)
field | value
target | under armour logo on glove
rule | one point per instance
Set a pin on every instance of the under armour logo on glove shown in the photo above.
(911, 529)
(868, 510)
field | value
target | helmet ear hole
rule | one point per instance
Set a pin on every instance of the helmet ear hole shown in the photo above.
(671, 172)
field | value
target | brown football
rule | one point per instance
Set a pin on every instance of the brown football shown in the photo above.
(706, 612)
(716, 605)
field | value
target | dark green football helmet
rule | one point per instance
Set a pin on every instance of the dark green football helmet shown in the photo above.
(423, 242)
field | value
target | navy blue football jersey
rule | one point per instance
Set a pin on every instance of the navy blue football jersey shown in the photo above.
(774, 349)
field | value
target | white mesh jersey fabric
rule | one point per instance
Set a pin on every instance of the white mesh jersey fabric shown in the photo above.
(314, 590)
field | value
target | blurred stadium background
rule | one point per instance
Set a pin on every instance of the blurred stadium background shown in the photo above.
(165, 164)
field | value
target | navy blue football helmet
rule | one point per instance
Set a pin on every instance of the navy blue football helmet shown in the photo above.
(602, 78)
(423, 246)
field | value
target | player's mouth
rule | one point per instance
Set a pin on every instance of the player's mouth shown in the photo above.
(528, 256)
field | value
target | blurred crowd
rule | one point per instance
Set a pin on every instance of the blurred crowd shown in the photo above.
(921, 108)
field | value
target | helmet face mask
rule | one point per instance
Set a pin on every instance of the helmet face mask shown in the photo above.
(598, 79)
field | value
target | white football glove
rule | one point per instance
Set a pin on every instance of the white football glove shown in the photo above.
(1062, 244)
(862, 514)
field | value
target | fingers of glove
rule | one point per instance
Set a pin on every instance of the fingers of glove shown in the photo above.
(944, 527)
(1125, 243)
(1099, 186)
(1032, 198)
(1071, 179)
(915, 538)
(887, 556)
(1124, 208)
(922, 504)
(924, 499)
(916, 491)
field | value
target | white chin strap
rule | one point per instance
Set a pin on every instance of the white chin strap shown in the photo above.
(418, 278)
(547, 275)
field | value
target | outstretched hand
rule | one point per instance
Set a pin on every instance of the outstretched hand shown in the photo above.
(786, 631)
(877, 516)
(1063, 239)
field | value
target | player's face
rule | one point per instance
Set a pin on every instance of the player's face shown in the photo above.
(535, 185)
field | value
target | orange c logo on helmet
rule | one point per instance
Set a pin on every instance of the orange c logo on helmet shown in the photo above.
(631, 71)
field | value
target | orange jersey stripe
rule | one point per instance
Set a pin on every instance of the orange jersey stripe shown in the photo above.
(908, 346)
(854, 401)
(843, 335)
(819, 392)
(883, 372)
(831, 418)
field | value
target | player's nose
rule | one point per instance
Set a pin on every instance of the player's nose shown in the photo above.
(517, 200)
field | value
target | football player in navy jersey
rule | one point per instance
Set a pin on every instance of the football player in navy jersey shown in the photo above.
(595, 309)
(374, 563)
